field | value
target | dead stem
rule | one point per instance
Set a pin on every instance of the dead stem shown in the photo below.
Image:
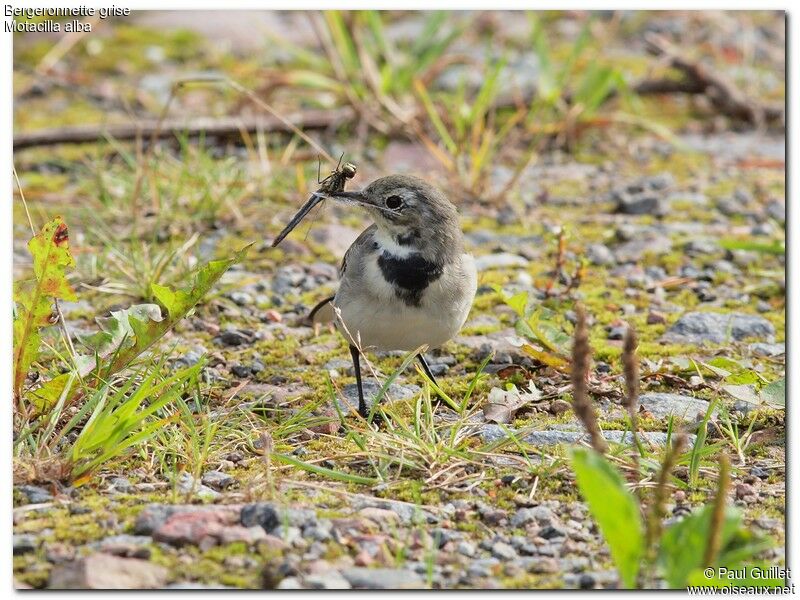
(656, 512)
(581, 404)
(718, 514)
(630, 364)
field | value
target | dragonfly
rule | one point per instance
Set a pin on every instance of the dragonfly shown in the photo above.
(333, 183)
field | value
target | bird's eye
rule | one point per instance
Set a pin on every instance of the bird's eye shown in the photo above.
(394, 202)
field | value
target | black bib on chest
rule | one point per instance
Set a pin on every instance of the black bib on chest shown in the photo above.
(409, 275)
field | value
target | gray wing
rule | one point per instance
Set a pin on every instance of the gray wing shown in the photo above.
(322, 313)
(363, 241)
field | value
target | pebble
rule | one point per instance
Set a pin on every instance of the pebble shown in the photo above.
(218, 480)
(466, 548)
(718, 328)
(330, 580)
(233, 337)
(599, 254)
(107, 572)
(35, 494)
(500, 260)
(682, 407)
(503, 551)
(382, 578)
(24, 544)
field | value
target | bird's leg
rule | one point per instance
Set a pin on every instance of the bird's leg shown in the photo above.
(362, 406)
(426, 369)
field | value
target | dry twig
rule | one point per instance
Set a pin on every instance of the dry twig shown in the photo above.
(581, 356)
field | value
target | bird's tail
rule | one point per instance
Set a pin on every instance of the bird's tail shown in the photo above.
(322, 313)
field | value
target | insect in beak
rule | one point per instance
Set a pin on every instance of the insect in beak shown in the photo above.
(304, 210)
(332, 185)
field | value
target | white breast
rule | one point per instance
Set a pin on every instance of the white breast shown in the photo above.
(372, 311)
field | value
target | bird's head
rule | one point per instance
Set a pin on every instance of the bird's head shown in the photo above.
(410, 210)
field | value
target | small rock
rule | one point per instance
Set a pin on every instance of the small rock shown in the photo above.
(24, 544)
(699, 247)
(634, 250)
(382, 579)
(263, 514)
(241, 371)
(35, 494)
(777, 210)
(682, 407)
(501, 260)
(599, 254)
(642, 204)
(466, 548)
(218, 480)
(762, 349)
(371, 388)
(503, 551)
(233, 337)
(379, 515)
(558, 406)
(188, 484)
(656, 318)
(57, 552)
(541, 515)
(289, 583)
(744, 490)
(121, 485)
(106, 572)
(718, 328)
(329, 580)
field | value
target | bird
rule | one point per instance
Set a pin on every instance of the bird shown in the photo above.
(407, 280)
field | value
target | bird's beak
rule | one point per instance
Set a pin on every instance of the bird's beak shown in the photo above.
(358, 197)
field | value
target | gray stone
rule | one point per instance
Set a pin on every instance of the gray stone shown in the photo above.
(718, 328)
(218, 480)
(241, 298)
(682, 407)
(396, 391)
(382, 579)
(503, 551)
(35, 494)
(233, 337)
(329, 580)
(541, 515)
(262, 513)
(641, 204)
(493, 433)
(466, 548)
(501, 260)
(505, 344)
(700, 246)
(289, 583)
(107, 572)
(635, 249)
(154, 516)
(24, 544)
(121, 485)
(762, 349)
(188, 484)
(777, 210)
(599, 254)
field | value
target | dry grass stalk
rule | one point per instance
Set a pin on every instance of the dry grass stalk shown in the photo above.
(581, 357)
(630, 365)
(657, 511)
(718, 516)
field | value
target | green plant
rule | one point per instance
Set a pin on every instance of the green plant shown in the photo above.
(365, 69)
(111, 422)
(34, 298)
(713, 536)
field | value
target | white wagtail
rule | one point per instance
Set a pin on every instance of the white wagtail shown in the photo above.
(406, 280)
